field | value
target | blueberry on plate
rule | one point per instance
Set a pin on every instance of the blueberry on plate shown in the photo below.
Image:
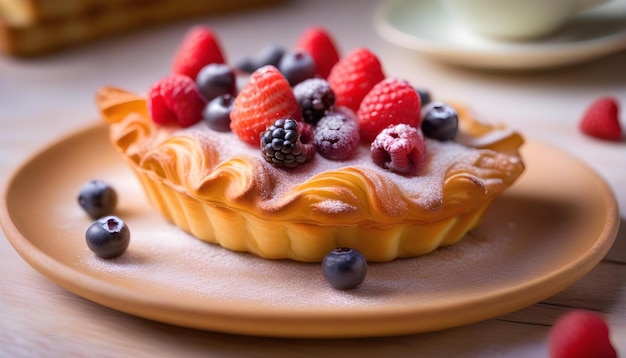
(216, 114)
(439, 121)
(97, 198)
(108, 237)
(344, 268)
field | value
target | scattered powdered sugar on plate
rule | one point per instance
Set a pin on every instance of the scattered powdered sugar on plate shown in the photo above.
(163, 260)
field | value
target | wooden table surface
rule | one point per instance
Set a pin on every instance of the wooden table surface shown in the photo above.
(42, 99)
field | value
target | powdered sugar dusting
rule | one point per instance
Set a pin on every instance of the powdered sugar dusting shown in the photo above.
(162, 261)
(423, 189)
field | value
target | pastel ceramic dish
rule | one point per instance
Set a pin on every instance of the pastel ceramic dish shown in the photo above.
(424, 27)
(535, 240)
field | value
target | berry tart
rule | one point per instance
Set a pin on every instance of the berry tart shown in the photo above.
(310, 152)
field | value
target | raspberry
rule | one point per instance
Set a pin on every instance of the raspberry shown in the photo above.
(315, 98)
(354, 76)
(337, 134)
(175, 99)
(266, 97)
(199, 47)
(318, 43)
(400, 148)
(601, 119)
(580, 334)
(391, 101)
(287, 144)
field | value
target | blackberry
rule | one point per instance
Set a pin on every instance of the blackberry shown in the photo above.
(315, 98)
(287, 144)
(336, 134)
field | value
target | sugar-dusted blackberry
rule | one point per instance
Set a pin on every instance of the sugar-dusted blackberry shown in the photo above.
(337, 134)
(315, 98)
(287, 143)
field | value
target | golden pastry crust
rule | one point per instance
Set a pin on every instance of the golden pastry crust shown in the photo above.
(220, 190)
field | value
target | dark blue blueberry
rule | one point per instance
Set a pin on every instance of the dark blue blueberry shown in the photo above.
(216, 79)
(216, 114)
(424, 95)
(97, 198)
(344, 268)
(269, 55)
(297, 66)
(108, 237)
(439, 121)
(246, 64)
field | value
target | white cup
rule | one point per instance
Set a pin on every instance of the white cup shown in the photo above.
(516, 19)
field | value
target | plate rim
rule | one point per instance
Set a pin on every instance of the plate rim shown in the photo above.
(540, 57)
(83, 285)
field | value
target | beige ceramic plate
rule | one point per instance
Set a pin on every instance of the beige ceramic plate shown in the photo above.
(549, 230)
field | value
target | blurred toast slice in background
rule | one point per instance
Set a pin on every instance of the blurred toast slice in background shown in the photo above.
(37, 27)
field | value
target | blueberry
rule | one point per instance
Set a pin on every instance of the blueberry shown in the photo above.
(297, 66)
(216, 79)
(97, 198)
(439, 121)
(216, 114)
(269, 55)
(246, 64)
(424, 95)
(108, 237)
(344, 268)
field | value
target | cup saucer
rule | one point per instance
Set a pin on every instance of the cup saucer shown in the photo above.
(424, 26)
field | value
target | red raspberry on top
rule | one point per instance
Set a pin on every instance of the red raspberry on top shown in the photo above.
(199, 47)
(266, 97)
(391, 101)
(601, 119)
(580, 334)
(400, 148)
(175, 99)
(318, 43)
(354, 76)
